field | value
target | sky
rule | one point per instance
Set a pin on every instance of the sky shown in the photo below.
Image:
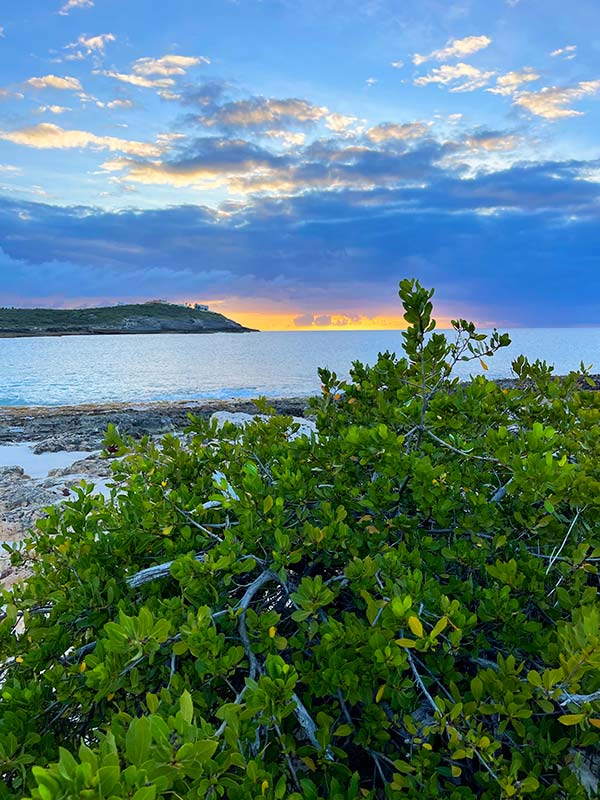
(290, 161)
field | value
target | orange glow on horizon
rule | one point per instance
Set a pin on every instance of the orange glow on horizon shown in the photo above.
(273, 321)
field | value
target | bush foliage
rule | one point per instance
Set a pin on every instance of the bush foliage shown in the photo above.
(404, 606)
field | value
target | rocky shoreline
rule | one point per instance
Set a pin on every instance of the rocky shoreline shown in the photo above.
(35, 437)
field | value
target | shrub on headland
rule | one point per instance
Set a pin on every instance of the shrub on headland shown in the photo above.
(403, 606)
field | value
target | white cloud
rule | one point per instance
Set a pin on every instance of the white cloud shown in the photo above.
(371, 81)
(290, 138)
(6, 94)
(397, 64)
(48, 136)
(551, 102)
(168, 95)
(2, 33)
(339, 123)
(471, 78)
(71, 4)
(392, 131)
(137, 80)
(53, 109)
(9, 168)
(55, 82)
(569, 52)
(509, 83)
(493, 142)
(456, 48)
(120, 104)
(167, 65)
(91, 44)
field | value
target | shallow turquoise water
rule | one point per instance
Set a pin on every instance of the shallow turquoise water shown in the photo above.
(137, 368)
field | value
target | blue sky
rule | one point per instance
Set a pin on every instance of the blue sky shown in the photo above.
(289, 161)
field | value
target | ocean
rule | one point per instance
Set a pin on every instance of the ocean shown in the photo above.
(73, 370)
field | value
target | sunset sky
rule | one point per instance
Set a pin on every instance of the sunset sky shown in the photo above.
(289, 161)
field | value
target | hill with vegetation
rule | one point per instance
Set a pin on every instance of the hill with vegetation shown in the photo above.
(402, 605)
(134, 318)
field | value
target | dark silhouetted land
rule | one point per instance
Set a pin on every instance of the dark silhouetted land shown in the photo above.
(139, 318)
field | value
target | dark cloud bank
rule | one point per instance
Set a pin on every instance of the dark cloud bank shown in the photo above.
(520, 246)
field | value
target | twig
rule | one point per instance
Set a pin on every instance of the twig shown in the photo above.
(579, 699)
(308, 725)
(459, 452)
(193, 522)
(154, 573)
(556, 553)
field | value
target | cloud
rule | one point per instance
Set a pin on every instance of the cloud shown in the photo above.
(390, 131)
(244, 168)
(290, 138)
(92, 44)
(340, 123)
(6, 94)
(71, 4)
(48, 136)
(326, 250)
(2, 32)
(137, 80)
(53, 109)
(118, 103)
(55, 82)
(212, 162)
(371, 81)
(471, 78)
(456, 48)
(326, 320)
(551, 101)
(569, 52)
(510, 82)
(262, 112)
(492, 142)
(167, 65)
(9, 168)
(397, 64)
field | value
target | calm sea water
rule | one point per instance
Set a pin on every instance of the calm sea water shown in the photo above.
(137, 368)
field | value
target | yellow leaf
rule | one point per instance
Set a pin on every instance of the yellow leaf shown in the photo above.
(264, 786)
(405, 642)
(272, 631)
(427, 746)
(309, 763)
(110, 696)
(571, 719)
(483, 364)
(163, 484)
(456, 771)
(82, 666)
(380, 692)
(414, 623)
(167, 530)
(595, 722)
(439, 627)
(19, 660)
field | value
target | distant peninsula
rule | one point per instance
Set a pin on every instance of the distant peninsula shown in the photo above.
(152, 317)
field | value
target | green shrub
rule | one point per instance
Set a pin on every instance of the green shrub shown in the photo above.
(402, 607)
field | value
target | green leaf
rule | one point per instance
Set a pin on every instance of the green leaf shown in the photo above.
(186, 706)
